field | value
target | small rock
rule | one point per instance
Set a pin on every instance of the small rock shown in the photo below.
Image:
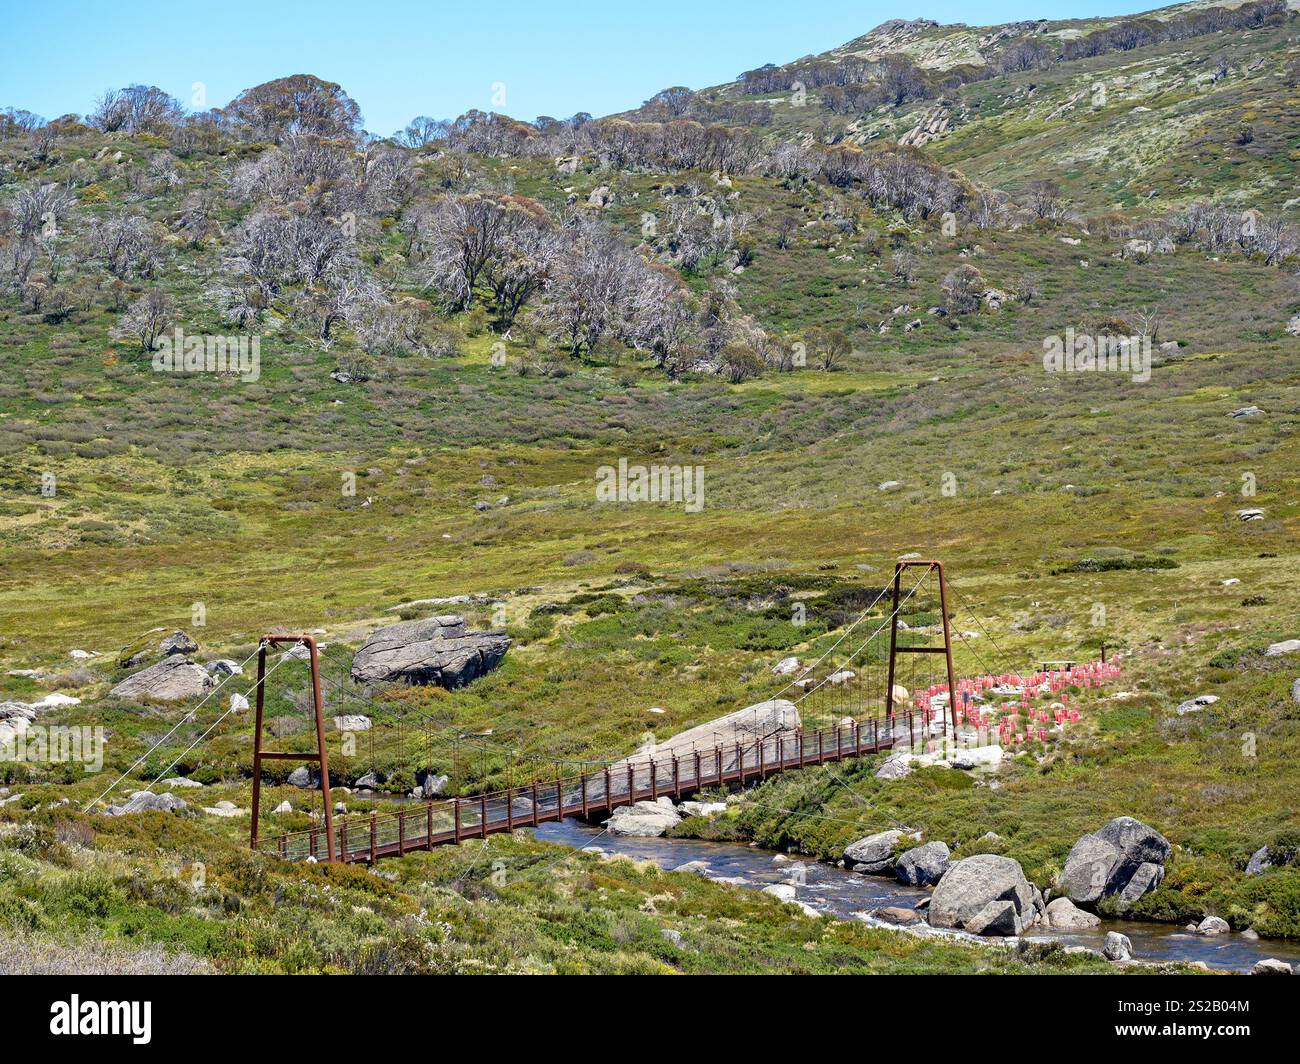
(1245, 411)
(673, 938)
(1062, 913)
(177, 643)
(1117, 947)
(352, 722)
(1193, 705)
(283, 807)
(785, 666)
(694, 868)
(893, 914)
(1259, 862)
(782, 891)
(1271, 966)
(1287, 646)
(1213, 925)
(180, 781)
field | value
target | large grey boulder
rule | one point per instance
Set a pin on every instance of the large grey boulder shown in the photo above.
(1115, 860)
(1271, 966)
(174, 679)
(1063, 914)
(873, 854)
(967, 892)
(437, 650)
(643, 819)
(923, 866)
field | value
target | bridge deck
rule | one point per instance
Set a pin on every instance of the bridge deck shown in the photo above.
(676, 776)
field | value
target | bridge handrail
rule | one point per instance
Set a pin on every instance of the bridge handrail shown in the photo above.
(631, 779)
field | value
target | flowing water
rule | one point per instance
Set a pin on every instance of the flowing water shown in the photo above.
(848, 895)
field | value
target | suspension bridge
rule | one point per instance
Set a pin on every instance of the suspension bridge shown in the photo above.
(886, 682)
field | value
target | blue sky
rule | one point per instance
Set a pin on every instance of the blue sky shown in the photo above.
(398, 59)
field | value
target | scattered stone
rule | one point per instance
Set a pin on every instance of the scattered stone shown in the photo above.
(1194, 705)
(1213, 925)
(225, 667)
(872, 854)
(888, 485)
(966, 895)
(224, 809)
(1287, 646)
(352, 722)
(1117, 947)
(782, 891)
(283, 807)
(1271, 966)
(601, 197)
(302, 776)
(835, 679)
(174, 679)
(180, 781)
(785, 666)
(368, 781)
(895, 767)
(1259, 862)
(694, 868)
(436, 650)
(1251, 934)
(893, 914)
(923, 866)
(1062, 913)
(673, 938)
(177, 643)
(1245, 411)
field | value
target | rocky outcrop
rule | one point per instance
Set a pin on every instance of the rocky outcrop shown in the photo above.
(174, 679)
(437, 650)
(643, 819)
(873, 854)
(1126, 858)
(923, 866)
(985, 894)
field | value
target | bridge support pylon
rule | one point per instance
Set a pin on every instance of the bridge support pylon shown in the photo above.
(321, 756)
(894, 649)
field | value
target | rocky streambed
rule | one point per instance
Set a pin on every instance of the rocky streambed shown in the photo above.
(882, 900)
